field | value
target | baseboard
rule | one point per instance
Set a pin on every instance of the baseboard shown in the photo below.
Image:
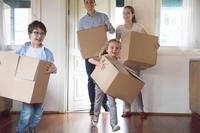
(164, 114)
(134, 113)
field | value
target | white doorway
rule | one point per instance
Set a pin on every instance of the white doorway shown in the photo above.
(78, 99)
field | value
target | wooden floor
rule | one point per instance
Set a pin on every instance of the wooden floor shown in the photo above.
(81, 123)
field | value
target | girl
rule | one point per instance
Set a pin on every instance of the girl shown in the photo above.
(113, 51)
(130, 25)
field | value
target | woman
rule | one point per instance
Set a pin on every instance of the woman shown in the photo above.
(131, 25)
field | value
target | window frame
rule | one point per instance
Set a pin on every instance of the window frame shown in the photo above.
(35, 15)
(168, 44)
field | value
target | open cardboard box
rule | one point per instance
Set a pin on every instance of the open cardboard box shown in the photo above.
(23, 78)
(116, 81)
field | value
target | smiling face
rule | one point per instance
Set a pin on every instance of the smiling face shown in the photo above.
(37, 32)
(90, 5)
(113, 49)
(128, 15)
(36, 37)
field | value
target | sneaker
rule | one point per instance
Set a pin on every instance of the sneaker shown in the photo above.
(91, 111)
(106, 108)
(143, 115)
(94, 121)
(116, 128)
(126, 114)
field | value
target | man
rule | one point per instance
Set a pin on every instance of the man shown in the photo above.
(90, 20)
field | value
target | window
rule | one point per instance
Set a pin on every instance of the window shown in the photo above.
(17, 16)
(171, 22)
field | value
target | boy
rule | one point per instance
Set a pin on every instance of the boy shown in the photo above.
(31, 114)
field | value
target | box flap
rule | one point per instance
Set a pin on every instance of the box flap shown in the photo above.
(17, 89)
(116, 81)
(132, 72)
(125, 87)
(8, 63)
(103, 77)
(41, 82)
(27, 68)
(117, 64)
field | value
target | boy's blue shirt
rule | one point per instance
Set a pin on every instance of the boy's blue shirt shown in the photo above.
(47, 55)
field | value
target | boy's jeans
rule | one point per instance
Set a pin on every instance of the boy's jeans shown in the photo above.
(30, 117)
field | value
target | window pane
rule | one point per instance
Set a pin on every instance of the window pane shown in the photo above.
(171, 22)
(172, 3)
(17, 16)
(22, 19)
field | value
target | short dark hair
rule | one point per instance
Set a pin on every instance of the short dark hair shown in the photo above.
(36, 24)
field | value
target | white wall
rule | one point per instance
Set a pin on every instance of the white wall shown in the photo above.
(147, 12)
(167, 84)
(53, 15)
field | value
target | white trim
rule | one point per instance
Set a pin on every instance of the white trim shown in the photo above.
(63, 28)
(128, 2)
(36, 9)
(66, 76)
(157, 16)
(177, 51)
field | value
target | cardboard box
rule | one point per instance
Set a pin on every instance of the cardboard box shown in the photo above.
(92, 41)
(26, 79)
(194, 86)
(139, 50)
(116, 81)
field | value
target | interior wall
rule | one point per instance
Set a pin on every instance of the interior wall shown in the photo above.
(146, 13)
(166, 87)
(166, 84)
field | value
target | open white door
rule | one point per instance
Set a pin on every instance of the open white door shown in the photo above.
(78, 98)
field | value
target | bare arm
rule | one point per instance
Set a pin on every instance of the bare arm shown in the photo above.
(95, 61)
